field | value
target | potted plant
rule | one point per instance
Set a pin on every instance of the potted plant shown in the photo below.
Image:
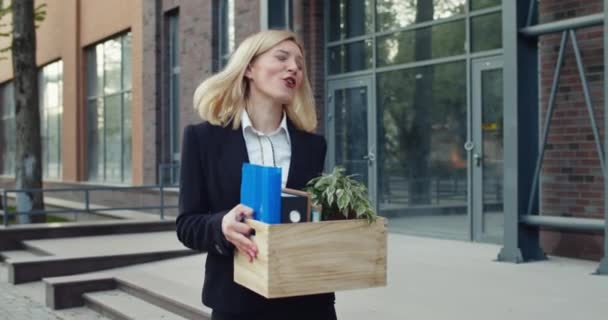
(340, 197)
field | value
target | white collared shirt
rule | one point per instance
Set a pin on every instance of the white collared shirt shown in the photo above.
(272, 149)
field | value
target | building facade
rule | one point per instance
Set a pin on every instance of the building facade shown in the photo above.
(409, 94)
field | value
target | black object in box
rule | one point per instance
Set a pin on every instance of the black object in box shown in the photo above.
(295, 206)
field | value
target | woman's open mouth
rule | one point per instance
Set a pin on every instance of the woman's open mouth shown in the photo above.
(290, 82)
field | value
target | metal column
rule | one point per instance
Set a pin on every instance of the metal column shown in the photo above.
(603, 267)
(520, 103)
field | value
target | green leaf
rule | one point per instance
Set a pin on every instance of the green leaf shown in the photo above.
(342, 200)
(320, 183)
(360, 210)
(330, 199)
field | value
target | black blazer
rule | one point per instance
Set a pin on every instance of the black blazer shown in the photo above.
(212, 158)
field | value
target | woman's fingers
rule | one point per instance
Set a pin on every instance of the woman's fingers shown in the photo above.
(244, 245)
(238, 232)
(243, 212)
(241, 228)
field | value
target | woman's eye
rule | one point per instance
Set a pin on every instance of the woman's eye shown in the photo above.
(282, 58)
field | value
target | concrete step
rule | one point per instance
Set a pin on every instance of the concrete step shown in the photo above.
(11, 238)
(119, 305)
(165, 293)
(18, 254)
(153, 282)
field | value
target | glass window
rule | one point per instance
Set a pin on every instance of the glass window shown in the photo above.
(174, 82)
(109, 110)
(433, 42)
(351, 57)
(226, 34)
(51, 110)
(112, 54)
(482, 4)
(393, 14)
(486, 32)
(422, 126)
(350, 19)
(127, 53)
(127, 127)
(7, 130)
(280, 14)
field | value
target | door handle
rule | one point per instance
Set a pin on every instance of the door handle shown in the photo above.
(477, 159)
(371, 157)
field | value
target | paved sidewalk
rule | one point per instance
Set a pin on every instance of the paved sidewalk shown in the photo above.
(26, 302)
(16, 306)
(429, 279)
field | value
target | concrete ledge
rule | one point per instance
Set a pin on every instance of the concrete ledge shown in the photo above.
(67, 292)
(21, 254)
(162, 301)
(11, 237)
(119, 305)
(37, 268)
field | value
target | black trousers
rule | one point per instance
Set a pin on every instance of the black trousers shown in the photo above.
(328, 313)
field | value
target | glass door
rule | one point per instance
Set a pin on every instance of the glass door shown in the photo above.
(350, 127)
(487, 150)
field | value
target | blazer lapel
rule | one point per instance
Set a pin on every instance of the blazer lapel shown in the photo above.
(295, 164)
(234, 154)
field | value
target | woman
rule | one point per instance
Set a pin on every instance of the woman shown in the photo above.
(259, 109)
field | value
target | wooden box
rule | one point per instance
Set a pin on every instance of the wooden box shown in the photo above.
(314, 257)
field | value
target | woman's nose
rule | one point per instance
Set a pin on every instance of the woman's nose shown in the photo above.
(292, 66)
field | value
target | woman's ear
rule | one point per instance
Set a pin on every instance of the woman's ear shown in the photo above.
(248, 72)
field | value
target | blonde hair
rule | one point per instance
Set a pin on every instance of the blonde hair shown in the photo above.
(221, 98)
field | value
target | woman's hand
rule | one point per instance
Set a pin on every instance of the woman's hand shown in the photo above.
(237, 232)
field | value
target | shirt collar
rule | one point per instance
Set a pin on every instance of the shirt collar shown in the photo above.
(247, 125)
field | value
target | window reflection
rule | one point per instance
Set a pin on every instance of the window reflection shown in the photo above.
(486, 32)
(50, 99)
(482, 4)
(350, 18)
(112, 66)
(7, 130)
(351, 131)
(351, 57)
(421, 130)
(108, 118)
(422, 44)
(173, 114)
(393, 14)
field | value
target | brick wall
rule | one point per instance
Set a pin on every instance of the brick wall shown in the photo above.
(572, 183)
(246, 19)
(312, 36)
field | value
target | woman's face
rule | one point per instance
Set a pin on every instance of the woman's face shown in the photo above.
(277, 73)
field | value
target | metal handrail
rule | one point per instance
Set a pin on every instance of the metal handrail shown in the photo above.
(564, 223)
(563, 25)
(161, 186)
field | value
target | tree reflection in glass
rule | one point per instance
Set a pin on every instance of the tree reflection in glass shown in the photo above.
(393, 14)
(421, 133)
